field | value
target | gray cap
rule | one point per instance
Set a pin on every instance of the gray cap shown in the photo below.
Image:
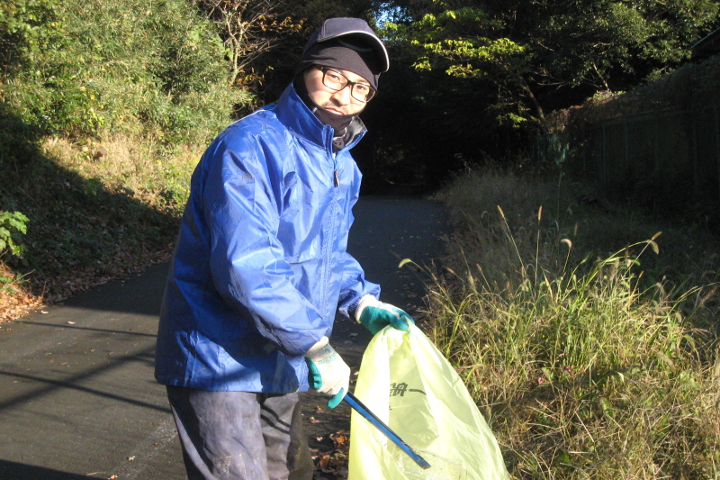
(358, 31)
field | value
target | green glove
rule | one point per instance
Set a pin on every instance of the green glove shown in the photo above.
(329, 374)
(376, 315)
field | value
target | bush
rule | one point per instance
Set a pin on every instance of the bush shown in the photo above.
(124, 66)
(17, 139)
(26, 28)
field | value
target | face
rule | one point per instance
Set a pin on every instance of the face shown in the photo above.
(339, 102)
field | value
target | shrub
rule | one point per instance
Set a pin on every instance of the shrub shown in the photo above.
(125, 66)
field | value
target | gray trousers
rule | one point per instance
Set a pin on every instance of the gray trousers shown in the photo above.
(241, 435)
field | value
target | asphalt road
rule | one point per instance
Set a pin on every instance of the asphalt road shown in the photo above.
(77, 395)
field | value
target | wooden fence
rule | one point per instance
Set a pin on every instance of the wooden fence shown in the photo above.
(670, 152)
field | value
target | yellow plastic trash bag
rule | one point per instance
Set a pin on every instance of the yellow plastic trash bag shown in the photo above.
(411, 387)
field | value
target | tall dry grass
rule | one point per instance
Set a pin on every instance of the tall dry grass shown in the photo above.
(586, 363)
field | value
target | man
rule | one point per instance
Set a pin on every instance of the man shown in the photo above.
(260, 268)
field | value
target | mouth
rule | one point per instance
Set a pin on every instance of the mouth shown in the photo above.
(334, 110)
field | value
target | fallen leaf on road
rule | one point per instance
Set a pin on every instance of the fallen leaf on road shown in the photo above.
(333, 463)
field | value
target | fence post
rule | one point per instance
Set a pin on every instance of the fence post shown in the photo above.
(626, 134)
(717, 142)
(604, 152)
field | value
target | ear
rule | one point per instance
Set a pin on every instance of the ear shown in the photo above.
(306, 75)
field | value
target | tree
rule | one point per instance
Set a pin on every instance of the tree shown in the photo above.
(486, 73)
(464, 43)
(251, 30)
(608, 44)
(264, 39)
(536, 51)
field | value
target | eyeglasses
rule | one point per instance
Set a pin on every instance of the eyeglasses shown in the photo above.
(334, 80)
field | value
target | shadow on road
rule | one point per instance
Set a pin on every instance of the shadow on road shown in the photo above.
(141, 294)
(77, 392)
(19, 471)
(43, 386)
(87, 329)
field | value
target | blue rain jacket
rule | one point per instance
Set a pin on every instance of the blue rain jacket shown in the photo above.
(260, 266)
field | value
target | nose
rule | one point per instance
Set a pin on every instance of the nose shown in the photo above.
(343, 95)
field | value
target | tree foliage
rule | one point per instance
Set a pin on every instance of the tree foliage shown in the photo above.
(464, 43)
(250, 31)
(609, 44)
(263, 39)
(486, 74)
(534, 53)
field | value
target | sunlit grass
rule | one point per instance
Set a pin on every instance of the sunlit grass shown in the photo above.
(146, 170)
(585, 364)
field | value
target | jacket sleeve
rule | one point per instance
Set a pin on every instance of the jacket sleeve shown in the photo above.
(246, 258)
(354, 286)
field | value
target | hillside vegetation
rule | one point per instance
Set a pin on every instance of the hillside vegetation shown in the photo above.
(105, 108)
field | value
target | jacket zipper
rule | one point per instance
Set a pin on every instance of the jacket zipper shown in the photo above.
(336, 172)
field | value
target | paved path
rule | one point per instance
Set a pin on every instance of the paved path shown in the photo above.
(77, 395)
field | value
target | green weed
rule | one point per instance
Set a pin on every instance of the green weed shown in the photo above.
(12, 226)
(92, 68)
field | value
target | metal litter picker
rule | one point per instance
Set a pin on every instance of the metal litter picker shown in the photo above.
(372, 418)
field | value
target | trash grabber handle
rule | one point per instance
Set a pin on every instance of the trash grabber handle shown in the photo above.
(372, 418)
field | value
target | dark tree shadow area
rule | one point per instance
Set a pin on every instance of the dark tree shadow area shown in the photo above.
(19, 471)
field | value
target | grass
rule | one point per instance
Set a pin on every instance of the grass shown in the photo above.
(591, 356)
(139, 166)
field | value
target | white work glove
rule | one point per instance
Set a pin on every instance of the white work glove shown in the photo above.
(376, 315)
(329, 374)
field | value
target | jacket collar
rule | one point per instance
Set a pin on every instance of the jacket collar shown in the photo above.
(297, 117)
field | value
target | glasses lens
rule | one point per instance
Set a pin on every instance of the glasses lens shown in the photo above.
(362, 92)
(334, 80)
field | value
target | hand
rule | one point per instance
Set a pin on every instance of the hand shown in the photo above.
(329, 374)
(376, 315)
